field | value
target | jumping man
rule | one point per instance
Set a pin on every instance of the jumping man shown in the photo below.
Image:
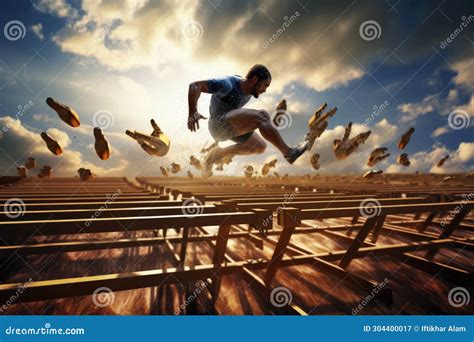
(229, 121)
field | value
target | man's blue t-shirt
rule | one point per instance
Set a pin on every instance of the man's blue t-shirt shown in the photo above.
(226, 95)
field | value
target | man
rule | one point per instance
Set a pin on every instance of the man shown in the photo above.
(229, 121)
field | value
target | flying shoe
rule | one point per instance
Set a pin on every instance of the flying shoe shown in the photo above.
(52, 144)
(67, 114)
(30, 163)
(102, 147)
(405, 139)
(266, 168)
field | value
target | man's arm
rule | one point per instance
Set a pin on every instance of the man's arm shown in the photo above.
(195, 90)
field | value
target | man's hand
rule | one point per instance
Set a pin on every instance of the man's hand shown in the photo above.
(193, 121)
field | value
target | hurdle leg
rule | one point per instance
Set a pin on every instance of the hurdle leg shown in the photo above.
(378, 228)
(289, 219)
(184, 244)
(218, 259)
(427, 222)
(448, 230)
(359, 240)
(354, 221)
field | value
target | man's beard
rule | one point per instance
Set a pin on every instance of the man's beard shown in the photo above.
(254, 92)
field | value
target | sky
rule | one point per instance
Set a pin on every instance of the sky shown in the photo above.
(386, 66)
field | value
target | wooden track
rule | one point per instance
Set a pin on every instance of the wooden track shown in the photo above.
(227, 246)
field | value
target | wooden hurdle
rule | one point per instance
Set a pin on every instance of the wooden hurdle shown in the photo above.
(65, 209)
(290, 218)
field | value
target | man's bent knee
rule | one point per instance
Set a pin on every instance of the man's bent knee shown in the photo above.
(263, 114)
(263, 117)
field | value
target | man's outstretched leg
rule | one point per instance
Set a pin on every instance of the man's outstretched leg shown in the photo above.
(241, 122)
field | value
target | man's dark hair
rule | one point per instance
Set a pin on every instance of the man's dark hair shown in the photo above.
(260, 71)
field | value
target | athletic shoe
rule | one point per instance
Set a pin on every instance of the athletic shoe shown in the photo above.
(296, 152)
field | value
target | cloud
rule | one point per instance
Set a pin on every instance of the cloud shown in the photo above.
(412, 111)
(153, 34)
(426, 161)
(42, 117)
(57, 7)
(464, 79)
(465, 152)
(38, 30)
(453, 95)
(465, 72)
(128, 159)
(444, 106)
(20, 142)
(323, 54)
(61, 137)
(134, 60)
(126, 35)
(440, 131)
(468, 107)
